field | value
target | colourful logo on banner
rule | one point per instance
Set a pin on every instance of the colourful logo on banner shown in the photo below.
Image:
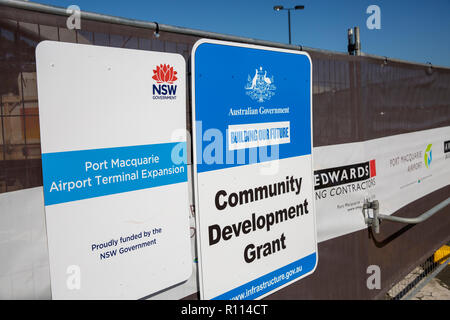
(165, 76)
(337, 176)
(428, 156)
(260, 87)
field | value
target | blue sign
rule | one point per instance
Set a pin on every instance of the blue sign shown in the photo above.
(241, 85)
(252, 122)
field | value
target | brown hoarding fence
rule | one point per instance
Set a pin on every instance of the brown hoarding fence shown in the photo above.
(356, 98)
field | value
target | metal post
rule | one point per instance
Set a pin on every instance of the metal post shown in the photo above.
(351, 42)
(374, 221)
(289, 24)
(418, 219)
(357, 42)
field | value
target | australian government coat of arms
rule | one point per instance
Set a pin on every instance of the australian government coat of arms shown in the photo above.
(260, 87)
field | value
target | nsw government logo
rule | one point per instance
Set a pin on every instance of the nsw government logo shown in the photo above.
(260, 87)
(165, 76)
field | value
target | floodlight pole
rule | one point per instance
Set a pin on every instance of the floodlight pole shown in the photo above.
(289, 24)
(279, 8)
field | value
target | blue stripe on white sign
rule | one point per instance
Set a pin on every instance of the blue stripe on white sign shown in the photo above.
(77, 175)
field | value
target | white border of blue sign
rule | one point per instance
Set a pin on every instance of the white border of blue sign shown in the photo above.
(195, 172)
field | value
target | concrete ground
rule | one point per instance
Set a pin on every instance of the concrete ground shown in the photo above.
(437, 289)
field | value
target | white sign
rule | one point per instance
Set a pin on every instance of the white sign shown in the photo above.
(252, 169)
(115, 174)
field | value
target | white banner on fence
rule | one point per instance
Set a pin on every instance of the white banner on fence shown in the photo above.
(394, 170)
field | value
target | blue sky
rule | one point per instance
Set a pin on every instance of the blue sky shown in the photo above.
(410, 30)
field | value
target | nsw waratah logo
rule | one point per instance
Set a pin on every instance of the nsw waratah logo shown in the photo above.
(428, 156)
(165, 76)
(260, 87)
